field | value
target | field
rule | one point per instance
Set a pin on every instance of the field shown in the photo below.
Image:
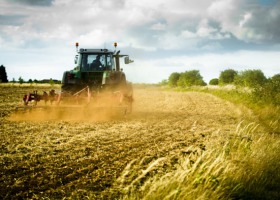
(175, 145)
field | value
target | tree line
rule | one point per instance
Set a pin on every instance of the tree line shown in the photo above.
(261, 87)
(4, 78)
(30, 81)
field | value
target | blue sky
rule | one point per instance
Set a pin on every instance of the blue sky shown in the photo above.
(37, 37)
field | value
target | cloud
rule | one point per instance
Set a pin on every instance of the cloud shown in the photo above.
(246, 18)
(145, 24)
(11, 20)
(158, 26)
(148, 30)
(262, 24)
(249, 21)
(33, 2)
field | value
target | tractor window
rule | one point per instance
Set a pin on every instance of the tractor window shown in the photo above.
(96, 62)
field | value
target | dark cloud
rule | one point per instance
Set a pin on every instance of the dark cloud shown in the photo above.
(267, 2)
(11, 20)
(265, 23)
(34, 2)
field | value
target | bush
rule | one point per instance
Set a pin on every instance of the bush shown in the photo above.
(214, 81)
(250, 78)
(227, 76)
(173, 79)
(269, 92)
(190, 78)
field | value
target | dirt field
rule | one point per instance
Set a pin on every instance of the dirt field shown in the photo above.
(63, 158)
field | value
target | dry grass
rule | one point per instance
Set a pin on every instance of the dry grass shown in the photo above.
(239, 166)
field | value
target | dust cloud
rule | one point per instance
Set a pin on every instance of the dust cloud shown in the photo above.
(68, 113)
(153, 105)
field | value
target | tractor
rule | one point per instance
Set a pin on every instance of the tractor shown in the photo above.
(97, 81)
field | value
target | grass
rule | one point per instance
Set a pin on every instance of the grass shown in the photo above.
(243, 165)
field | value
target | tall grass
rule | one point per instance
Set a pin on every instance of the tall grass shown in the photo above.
(242, 165)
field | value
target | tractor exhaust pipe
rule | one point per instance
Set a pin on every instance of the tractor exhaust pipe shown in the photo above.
(117, 60)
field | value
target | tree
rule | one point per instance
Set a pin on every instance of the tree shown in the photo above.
(191, 78)
(250, 78)
(173, 79)
(51, 82)
(164, 82)
(20, 80)
(227, 76)
(3, 75)
(214, 81)
(30, 81)
(276, 80)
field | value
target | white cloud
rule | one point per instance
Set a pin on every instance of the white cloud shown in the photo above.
(204, 30)
(188, 34)
(158, 26)
(226, 13)
(246, 18)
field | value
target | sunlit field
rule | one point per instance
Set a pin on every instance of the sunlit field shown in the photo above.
(174, 145)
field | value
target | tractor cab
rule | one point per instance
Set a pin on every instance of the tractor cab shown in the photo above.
(90, 60)
(96, 69)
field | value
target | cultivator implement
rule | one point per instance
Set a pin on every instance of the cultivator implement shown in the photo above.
(84, 103)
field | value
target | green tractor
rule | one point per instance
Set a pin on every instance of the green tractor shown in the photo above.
(97, 81)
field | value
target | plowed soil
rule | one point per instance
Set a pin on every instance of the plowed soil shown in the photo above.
(79, 158)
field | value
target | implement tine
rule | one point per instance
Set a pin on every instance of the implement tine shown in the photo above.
(81, 91)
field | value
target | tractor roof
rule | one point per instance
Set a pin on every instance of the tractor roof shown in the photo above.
(95, 51)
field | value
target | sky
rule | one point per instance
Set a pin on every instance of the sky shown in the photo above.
(37, 37)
